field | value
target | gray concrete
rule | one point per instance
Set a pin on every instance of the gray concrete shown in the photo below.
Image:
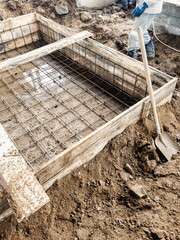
(94, 3)
(170, 17)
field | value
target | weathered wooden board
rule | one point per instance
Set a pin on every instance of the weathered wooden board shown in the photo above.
(98, 57)
(37, 53)
(15, 33)
(18, 21)
(13, 28)
(25, 194)
(20, 42)
(89, 146)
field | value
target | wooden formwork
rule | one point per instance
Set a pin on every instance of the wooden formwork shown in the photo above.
(123, 74)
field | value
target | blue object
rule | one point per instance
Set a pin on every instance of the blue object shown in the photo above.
(126, 2)
(150, 50)
(133, 53)
(132, 2)
(144, 22)
(139, 9)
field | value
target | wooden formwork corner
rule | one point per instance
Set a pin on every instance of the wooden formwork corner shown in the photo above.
(24, 193)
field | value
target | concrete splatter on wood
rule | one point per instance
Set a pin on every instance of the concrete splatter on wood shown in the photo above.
(25, 194)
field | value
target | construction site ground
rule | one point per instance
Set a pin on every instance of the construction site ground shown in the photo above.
(126, 191)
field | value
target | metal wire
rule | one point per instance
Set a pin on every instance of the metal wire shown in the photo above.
(44, 78)
(17, 92)
(14, 40)
(49, 38)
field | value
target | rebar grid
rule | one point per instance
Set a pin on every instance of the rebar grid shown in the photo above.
(45, 32)
(52, 102)
(49, 35)
(13, 36)
(45, 112)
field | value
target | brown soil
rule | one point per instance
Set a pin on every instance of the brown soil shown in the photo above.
(96, 201)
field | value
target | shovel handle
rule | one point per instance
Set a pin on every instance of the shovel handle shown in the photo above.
(148, 79)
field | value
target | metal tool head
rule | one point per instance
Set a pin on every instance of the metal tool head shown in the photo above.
(166, 145)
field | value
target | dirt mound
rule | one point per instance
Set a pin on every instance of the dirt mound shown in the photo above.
(101, 199)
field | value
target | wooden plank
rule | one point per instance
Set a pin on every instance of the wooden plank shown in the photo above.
(25, 194)
(115, 74)
(90, 146)
(145, 110)
(23, 29)
(18, 21)
(20, 42)
(12, 34)
(105, 58)
(110, 54)
(40, 52)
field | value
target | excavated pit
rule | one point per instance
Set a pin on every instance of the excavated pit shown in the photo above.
(52, 102)
(61, 108)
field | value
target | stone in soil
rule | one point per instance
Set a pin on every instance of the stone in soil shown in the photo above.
(85, 16)
(137, 190)
(129, 169)
(149, 166)
(62, 9)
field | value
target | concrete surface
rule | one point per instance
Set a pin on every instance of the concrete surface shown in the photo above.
(170, 17)
(173, 1)
(94, 3)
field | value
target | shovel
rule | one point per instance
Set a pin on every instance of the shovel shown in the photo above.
(166, 145)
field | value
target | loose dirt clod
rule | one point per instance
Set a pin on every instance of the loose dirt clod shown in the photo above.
(62, 9)
(137, 190)
(85, 16)
(149, 165)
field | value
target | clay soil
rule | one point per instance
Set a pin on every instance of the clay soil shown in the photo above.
(97, 200)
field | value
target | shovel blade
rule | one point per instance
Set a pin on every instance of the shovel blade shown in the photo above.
(166, 145)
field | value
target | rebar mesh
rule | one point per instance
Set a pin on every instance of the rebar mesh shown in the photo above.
(49, 104)
(52, 102)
